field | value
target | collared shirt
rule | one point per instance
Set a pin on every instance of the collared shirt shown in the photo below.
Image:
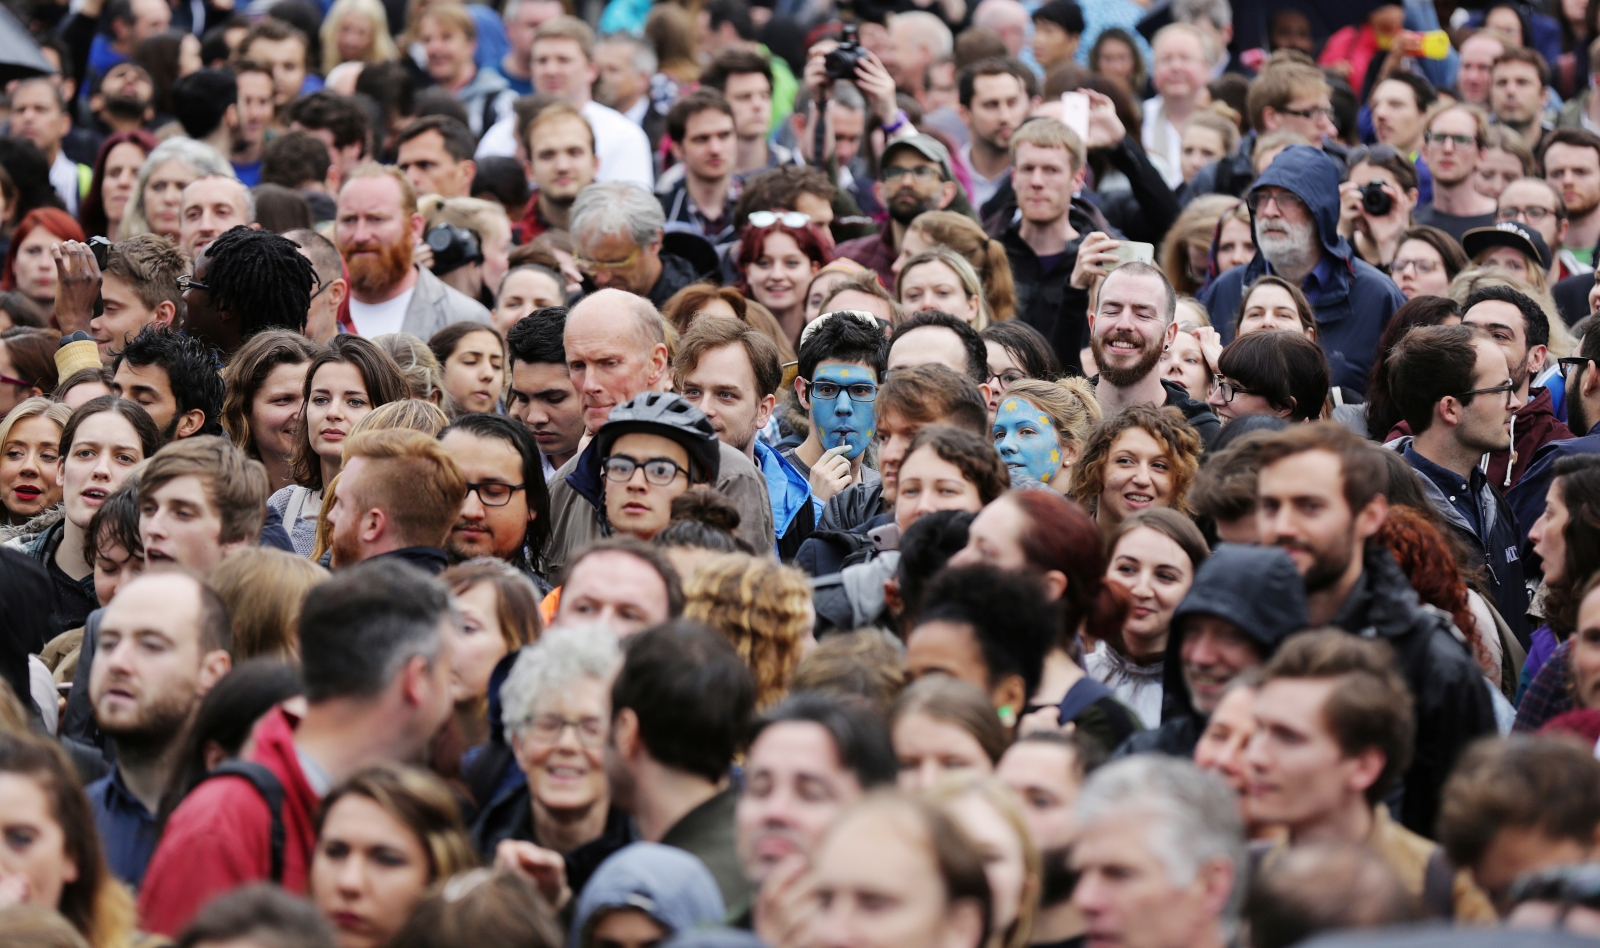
(1318, 278)
(128, 831)
(680, 208)
(1462, 492)
(982, 188)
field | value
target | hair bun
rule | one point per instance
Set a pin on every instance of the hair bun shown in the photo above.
(708, 506)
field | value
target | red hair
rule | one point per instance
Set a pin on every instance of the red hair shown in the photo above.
(1430, 565)
(52, 219)
(753, 242)
(1061, 536)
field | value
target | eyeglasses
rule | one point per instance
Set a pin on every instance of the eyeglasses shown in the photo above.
(1533, 213)
(8, 380)
(793, 219)
(1259, 198)
(619, 469)
(920, 172)
(320, 287)
(1506, 387)
(593, 266)
(1004, 379)
(1315, 112)
(548, 728)
(860, 392)
(493, 494)
(1422, 266)
(1441, 139)
(190, 283)
(1570, 363)
(1227, 389)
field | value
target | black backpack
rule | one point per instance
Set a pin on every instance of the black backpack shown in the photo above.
(267, 784)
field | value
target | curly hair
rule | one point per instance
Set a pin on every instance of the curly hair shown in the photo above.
(1166, 425)
(1069, 403)
(761, 607)
(1430, 566)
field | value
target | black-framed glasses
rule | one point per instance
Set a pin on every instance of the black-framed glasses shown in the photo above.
(1315, 112)
(320, 287)
(859, 392)
(920, 172)
(1506, 388)
(546, 729)
(186, 283)
(1460, 141)
(494, 494)
(1565, 366)
(1007, 378)
(1228, 388)
(619, 469)
(1533, 213)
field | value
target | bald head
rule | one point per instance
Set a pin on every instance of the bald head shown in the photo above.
(616, 346)
(211, 206)
(1008, 18)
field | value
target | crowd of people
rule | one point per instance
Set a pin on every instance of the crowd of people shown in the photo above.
(784, 475)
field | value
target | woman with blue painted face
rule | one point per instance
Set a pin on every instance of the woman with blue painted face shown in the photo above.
(1039, 428)
(653, 448)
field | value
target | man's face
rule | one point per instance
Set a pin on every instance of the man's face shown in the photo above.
(484, 530)
(37, 116)
(127, 90)
(346, 159)
(911, 55)
(374, 234)
(563, 160)
(1450, 161)
(1044, 182)
(929, 345)
(1052, 43)
(1515, 851)
(200, 317)
(1285, 228)
(1525, 200)
(560, 69)
(1300, 506)
(910, 184)
(431, 169)
(999, 105)
(1045, 777)
(794, 786)
(347, 516)
(449, 50)
(180, 524)
(1395, 116)
(543, 399)
(750, 94)
(1125, 894)
(210, 207)
(531, 14)
(1505, 325)
(723, 385)
(639, 506)
(621, 83)
(708, 145)
(614, 261)
(1130, 328)
(1485, 419)
(256, 98)
(1181, 67)
(615, 589)
(609, 361)
(1297, 773)
(1214, 652)
(124, 315)
(287, 60)
(1515, 94)
(840, 420)
(1307, 115)
(849, 125)
(149, 18)
(1576, 171)
(148, 386)
(1477, 64)
(149, 672)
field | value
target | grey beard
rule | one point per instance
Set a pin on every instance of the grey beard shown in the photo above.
(1290, 258)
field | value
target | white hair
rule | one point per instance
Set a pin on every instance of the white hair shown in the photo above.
(1191, 815)
(644, 57)
(547, 667)
(201, 158)
(991, 14)
(1219, 13)
(928, 29)
(617, 207)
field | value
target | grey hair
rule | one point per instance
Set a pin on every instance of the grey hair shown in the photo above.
(249, 195)
(848, 96)
(930, 31)
(615, 207)
(644, 57)
(1218, 12)
(560, 657)
(1191, 815)
(200, 157)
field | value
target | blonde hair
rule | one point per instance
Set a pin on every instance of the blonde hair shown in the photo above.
(970, 284)
(670, 29)
(422, 803)
(1051, 133)
(1562, 342)
(35, 407)
(264, 590)
(1004, 802)
(417, 363)
(382, 48)
(987, 256)
(762, 609)
(412, 413)
(1069, 403)
(1195, 228)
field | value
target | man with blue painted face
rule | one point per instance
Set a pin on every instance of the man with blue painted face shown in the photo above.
(841, 363)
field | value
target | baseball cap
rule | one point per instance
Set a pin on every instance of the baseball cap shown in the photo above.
(1514, 234)
(925, 145)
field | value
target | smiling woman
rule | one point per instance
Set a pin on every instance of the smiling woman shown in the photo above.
(776, 264)
(261, 412)
(1139, 458)
(30, 458)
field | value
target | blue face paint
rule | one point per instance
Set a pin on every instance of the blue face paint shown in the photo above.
(1026, 440)
(842, 420)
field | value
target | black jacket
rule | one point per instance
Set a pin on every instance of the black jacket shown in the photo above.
(1148, 208)
(852, 507)
(511, 817)
(676, 273)
(1041, 295)
(1449, 693)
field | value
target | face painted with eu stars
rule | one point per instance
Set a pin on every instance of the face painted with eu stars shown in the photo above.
(1026, 440)
(843, 418)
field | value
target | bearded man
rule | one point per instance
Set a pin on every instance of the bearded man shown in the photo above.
(377, 229)
(914, 177)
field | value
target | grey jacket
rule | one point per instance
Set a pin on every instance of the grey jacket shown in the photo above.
(435, 305)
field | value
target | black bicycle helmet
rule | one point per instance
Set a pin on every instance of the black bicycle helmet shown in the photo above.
(668, 415)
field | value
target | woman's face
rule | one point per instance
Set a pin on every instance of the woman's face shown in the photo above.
(1116, 60)
(354, 37)
(338, 400)
(778, 277)
(995, 537)
(1496, 169)
(1222, 743)
(1185, 363)
(275, 409)
(34, 862)
(1586, 651)
(163, 196)
(1419, 270)
(1201, 146)
(114, 567)
(1271, 307)
(1507, 259)
(36, 269)
(1243, 402)
(929, 748)
(914, 242)
(1000, 849)
(1504, 21)
(1156, 573)
(480, 644)
(368, 872)
(1236, 246)
(565, 762)
(475, 372)
(927, 482)
(523, 292)
(1549, 534)
(1003, 366)
(933, 285)
(1026, 439)
(820, 287)
(11, 395)
(122, 174)
(29, 462)
(1138, 475)
(104, 449)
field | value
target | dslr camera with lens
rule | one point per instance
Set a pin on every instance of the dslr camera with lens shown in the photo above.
(1375, 200)
(841, 62)
(453, 248)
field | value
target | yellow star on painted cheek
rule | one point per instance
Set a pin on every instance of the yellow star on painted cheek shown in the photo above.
(1055, 456)
(1043, 420)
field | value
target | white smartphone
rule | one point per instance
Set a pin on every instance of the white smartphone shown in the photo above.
(1129, 251)
(1075, 113)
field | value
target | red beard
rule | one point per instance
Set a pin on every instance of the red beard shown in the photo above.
(375, 276)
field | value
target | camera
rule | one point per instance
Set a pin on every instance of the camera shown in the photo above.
(1375, 200)
(841, 62)
(453, 247)
(100, 247)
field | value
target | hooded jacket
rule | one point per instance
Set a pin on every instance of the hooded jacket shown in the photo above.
(1258, 590)
(1354, 300)
(666, 883)
(1533, 426)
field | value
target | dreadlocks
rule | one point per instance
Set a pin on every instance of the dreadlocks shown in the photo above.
(261, 279)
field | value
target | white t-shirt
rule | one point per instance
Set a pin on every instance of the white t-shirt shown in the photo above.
(622, 147)
(376, 319)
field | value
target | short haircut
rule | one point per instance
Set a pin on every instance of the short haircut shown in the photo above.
(458, 140)
(1429, 364)
(1282, 366)
(236, 483)
(192, 369)
(201, 99)
(557, 111)
(360, 627)
(858, 666)
(972, 454)
(1479, 117)
(539, 337)
(714, 332)
(1535, 321)
(977, 352)
(325, 259)
(150, 265)
(1574, 137)
(453, 15)
(1280, 84)
(408, 192)
(1546, 784)
(1225, 488)
(865, 283)
(967, 80)
(1012, 623)
(1371, 706)
(1050, 133)
(1531, 57)
(734, 61)
(843, 339)
(412, 479)
(692, 104)
(651, 556)
(934, 395)
(272, 29)
(733, 12)
(1139, 268)
(261, 279)
(549, 666)
(262, 915)
(1422, 91)
(692, 694)
(295, 159)
(570, 28)
(1363, 472)
(860, 739)
(340, 115)
(617, 207)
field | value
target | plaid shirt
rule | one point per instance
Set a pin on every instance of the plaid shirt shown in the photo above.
(1549, 694)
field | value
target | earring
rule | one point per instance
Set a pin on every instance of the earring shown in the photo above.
(1008, 715)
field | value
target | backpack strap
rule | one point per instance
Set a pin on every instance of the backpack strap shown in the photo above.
(267, 784)
(1438, 885)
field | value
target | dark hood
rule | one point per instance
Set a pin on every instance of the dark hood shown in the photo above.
(1309, 174)
(1257, 588)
